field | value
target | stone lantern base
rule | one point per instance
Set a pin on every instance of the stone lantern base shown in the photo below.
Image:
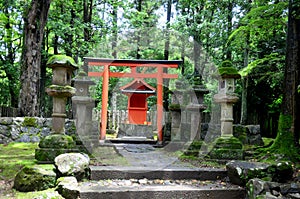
(54, 145)
(227, 148)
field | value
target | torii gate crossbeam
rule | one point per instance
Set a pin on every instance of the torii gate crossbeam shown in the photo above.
(133, 64)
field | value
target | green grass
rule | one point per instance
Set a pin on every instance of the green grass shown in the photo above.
(14, 156)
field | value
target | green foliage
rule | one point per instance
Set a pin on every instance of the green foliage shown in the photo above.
(30, 121)
(266, 61)
(226, 64)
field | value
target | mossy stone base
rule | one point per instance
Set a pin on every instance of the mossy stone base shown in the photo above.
(57, 141)
(54, 145)
(47, 155)
(35, 178)
(227, 148)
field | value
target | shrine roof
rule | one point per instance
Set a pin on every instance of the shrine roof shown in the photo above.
(138, 86)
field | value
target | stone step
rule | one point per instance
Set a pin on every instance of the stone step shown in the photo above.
(211, 190)
(132, 140)
(115, 172)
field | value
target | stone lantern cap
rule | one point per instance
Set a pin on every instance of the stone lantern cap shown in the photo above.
(226, 70)
(82, 77)
(62, 61)
(229, 72)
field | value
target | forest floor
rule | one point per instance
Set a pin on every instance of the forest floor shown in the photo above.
(14, 156)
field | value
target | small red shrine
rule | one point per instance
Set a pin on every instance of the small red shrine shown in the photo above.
(137, 91)
(106, 73)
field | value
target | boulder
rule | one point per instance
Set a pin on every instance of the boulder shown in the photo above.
(68, 187)
(257, 188)
(35, 178)
(73, 164)
(240, 172)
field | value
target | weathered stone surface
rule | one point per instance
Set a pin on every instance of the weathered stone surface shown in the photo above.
(24, 138)
(257, 188)
(73, 164)
(6, 120)
(135, 130)
(253, 129)
(239, 172)
(14, 129)
(35, 178)
(68, 187)
(227, 148)
(47, 155)
(57, 141)
(5, 130)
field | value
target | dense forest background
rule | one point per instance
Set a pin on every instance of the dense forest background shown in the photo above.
(251, 34)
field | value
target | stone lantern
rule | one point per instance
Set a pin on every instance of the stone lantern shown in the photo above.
(227, 146)
(226, 97)
(57, 142)
(83, 105)
(62, 69)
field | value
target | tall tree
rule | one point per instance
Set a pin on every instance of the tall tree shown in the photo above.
(10, 46)
(34, 23)
(289, 124)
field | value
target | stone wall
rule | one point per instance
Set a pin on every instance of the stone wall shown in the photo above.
(20, 129)
(247, 134)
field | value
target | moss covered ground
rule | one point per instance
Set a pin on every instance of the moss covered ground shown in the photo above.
(13, 157)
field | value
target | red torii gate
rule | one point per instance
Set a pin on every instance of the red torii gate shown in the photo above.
(133, 64)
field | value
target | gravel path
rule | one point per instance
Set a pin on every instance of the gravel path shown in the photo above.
(145, 155)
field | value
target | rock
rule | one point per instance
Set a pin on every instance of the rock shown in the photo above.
(6, 120)
(294, 195)
(73, 164)
(34, 131)
(290, 188)
(68, 187)
(5, 130)
(253, 129)
(35, 139)
(239, 172)
(24, 138)
(45, 131)
(254, 135)
(35, 178)
(257, 188)
(281, 172)
(255, 140)
(15, 132)
(241, 132)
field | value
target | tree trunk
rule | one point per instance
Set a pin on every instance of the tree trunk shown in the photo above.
(31, 56)
(166, 55)
(87, 20)
(138, 40)
(229, 27)
(114, 30)
(288, 127)
(245, 80)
